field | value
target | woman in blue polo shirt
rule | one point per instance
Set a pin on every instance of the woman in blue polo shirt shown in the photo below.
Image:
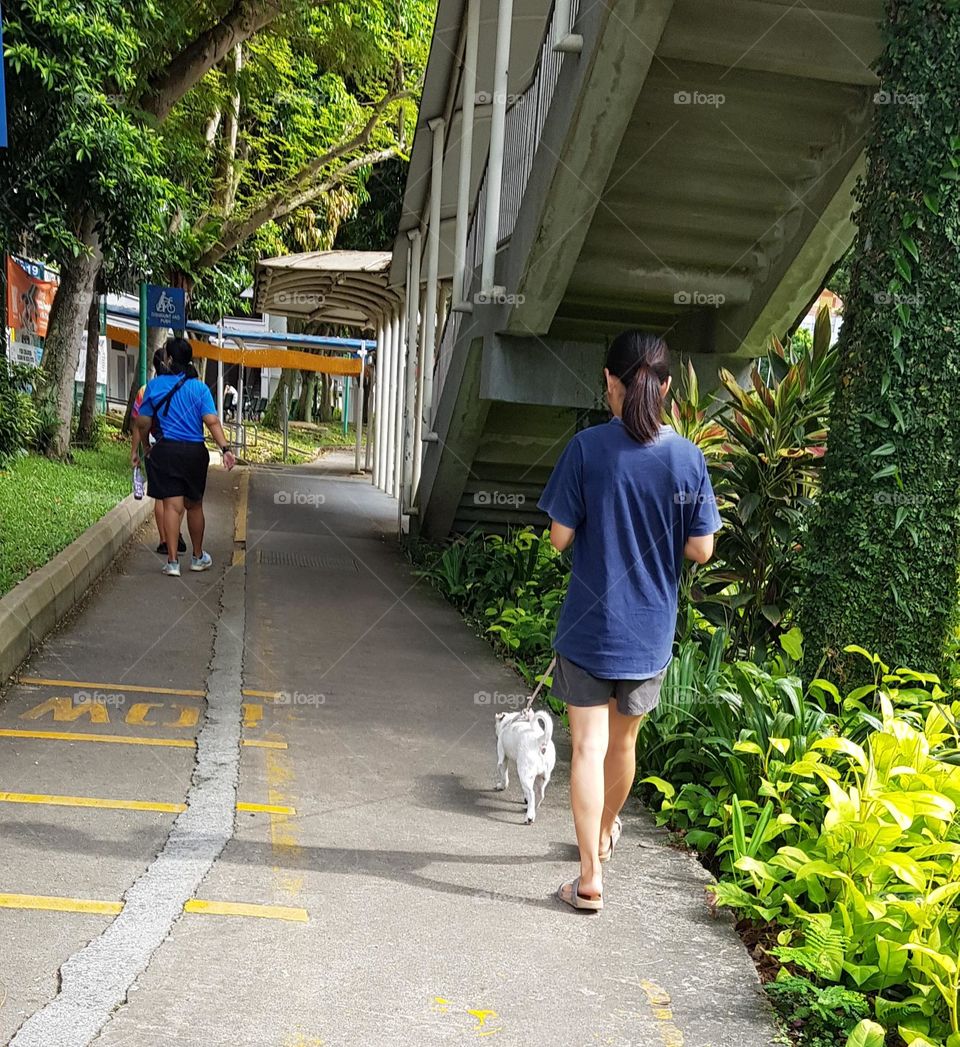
(177, 405)
(634, 499)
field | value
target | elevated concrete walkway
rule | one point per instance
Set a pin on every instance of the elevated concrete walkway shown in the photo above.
(374, 890)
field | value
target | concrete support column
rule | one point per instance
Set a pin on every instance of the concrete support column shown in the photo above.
(468, 101)
(498, 119)
(433, 265)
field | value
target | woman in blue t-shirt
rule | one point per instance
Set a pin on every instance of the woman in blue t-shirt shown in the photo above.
(634, 499)
(177, 405)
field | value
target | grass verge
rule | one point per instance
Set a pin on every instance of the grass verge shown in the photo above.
(46, 505)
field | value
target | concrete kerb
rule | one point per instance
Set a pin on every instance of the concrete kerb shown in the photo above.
(31, 610)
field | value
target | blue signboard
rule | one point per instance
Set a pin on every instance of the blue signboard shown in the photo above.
(3, 92)
(166, 307)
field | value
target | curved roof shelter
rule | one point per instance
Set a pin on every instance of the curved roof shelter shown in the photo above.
(348, 288)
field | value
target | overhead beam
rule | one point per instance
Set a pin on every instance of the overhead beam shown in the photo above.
(793, 41)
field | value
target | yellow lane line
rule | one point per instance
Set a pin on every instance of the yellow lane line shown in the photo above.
(51, 800)
(268, 912)
(49, 903)
(40, 681)
(119, 739)
(240, 520)
(663, 1012)
(250, 693)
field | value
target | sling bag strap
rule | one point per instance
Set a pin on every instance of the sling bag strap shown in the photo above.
(162, 406)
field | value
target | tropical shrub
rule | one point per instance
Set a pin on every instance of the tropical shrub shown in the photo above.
(817, 1016)
(765, 474)
(19, 421)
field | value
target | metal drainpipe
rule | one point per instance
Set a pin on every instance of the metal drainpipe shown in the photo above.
(501, 82)
(358, 413)
(468, 103)
(418, 431)
(398, 325)
(433, 271)
(411, 381)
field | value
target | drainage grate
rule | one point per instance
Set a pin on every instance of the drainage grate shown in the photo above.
(274, 558)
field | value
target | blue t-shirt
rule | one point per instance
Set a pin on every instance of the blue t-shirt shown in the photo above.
(633, 507)
(182, 419)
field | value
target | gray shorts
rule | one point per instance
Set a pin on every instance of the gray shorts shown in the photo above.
(576, 686)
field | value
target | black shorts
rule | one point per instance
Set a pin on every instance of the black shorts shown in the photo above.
(575, 686)
(177, 469)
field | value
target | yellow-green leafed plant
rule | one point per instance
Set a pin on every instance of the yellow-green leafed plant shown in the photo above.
(868, 893)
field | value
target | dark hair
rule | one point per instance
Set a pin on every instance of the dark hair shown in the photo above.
(159, 363)
(641, 361)
(181, 353)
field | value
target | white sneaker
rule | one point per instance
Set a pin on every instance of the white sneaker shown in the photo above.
(172, 568)
(203, 562)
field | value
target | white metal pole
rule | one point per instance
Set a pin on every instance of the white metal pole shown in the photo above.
(433, 269)
(384, 371)
(498, 117)
(467, 103)
(568, 42)
(397, 327)
(375, 426)
(358, 412)
(372, 421)
(412, 382)
(220, 371)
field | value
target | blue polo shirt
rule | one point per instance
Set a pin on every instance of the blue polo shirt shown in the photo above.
(633, 507)
(182, 419)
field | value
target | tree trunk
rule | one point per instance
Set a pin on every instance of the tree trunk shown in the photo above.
(61, 351)
(274, 411)
(309, 392)
(88, 405)
(882, 555)
(131, 398)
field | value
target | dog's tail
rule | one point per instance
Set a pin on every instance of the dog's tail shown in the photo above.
(546, 725)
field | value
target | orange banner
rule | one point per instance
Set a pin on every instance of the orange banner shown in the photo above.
(28, 301)
(290, 358)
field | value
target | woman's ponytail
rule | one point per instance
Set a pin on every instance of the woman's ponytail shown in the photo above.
(642, 362)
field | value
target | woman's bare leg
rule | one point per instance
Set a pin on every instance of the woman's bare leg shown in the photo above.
(619, 768)
(195, 525)
(158, 516)
(589, 728)
(172, 517)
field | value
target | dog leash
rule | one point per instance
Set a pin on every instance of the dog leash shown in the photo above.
(539, 687)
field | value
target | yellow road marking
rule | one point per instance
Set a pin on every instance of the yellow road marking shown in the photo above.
(252, 714)
(250, 693)
(239, 558)
(240, 520)
(50, 800)
(45, 902)
(40, 681)
(267, 912)
(663, 1012)
(119, 739)
(49, 903)
(284, 841)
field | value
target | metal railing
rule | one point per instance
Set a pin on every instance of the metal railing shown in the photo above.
(525, 121)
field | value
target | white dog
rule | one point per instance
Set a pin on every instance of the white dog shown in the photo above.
(527, 739)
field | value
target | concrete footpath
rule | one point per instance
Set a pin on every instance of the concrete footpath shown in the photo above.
(373, 888)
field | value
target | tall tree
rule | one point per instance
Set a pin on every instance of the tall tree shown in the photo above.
(881, 560)
(109, 101)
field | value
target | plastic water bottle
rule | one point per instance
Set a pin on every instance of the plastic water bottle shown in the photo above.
(137, 483)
